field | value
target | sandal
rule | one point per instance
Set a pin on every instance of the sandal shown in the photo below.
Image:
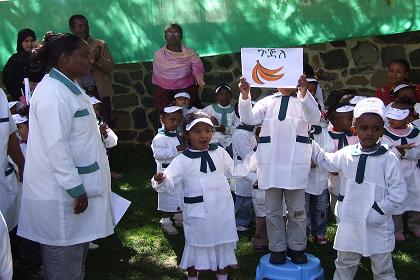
(320, 239)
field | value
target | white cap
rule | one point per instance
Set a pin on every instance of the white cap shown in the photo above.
(19, 118)
(356, 99)
(194, 122)
(370, 105)
(400, 87)
(311, 80)
(396, 114)
(182, 94)
(94, 100)
(17, 103)
(345, 109)
(171, 109)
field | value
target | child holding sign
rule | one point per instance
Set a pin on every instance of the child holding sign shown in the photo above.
(283, 162)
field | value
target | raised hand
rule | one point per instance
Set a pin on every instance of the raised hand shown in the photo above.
(159, 177)
(244, 88)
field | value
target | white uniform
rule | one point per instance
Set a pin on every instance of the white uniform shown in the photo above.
(209, 219)
(366, 210)
(225, 116)
(284, 151)
(9, 189)
(410, 167)
(189, 110)
(65, 158)
(164, 151)
(6, 264)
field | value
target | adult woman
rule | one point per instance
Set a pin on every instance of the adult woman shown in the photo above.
(66, 190)
(19, 65)
(398, 70)
(176, 68)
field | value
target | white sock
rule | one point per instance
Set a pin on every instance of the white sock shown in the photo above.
(221, 276)
(165, 221)
(192, 277)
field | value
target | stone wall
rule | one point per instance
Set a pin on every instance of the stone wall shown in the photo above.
(357, 63)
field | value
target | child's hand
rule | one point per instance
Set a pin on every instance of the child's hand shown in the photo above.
(220, 128)
(181, 148)
(302, 85)
(80, 204)
(313, 165)
(402, 148)
(244, 88)
(102, 128)
(214, 120)
(159, 177)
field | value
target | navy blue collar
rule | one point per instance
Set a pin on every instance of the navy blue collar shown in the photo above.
(205, 158)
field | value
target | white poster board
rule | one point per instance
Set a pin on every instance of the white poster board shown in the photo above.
(119, 206)
(272, 67)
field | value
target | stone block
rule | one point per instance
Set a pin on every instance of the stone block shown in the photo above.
(365, 53)
(365, 69)
(337, 85)
(126, 135)
(148, 65)
(237, 72)
(338, 44)
(120, 89)
(139, 88)
(147, 102)
(414, 76)
(139, 117)
(120, 120)
(122, 78)
(124, 101)
(390, 53)
(318, 47)
(208, 65)
(357, 80)
(415, 58)
(329, 76)
(217, 78)
(224, 61)
(136, 75)
(154, 119)
(335, 59)
(344, 73)
(401, 38)
(208, 96)
(147, 81)
(379, 79)
(145, 136)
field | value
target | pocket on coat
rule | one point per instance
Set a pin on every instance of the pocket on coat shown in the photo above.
(374, 218)
(194, 210)
(302, 153)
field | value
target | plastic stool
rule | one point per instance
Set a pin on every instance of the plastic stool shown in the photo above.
(290, 271)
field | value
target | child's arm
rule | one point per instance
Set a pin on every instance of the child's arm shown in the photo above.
(170, 180)
(329, 161)
(409, 151)
(311, 113)
(163, 151)
(111, 140)
(249, 115)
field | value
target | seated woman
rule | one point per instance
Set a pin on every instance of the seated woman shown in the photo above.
(176, 68)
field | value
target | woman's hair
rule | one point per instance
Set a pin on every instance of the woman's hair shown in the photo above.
(22, 35)
(403, 62)
(53, 45)
(174, 25)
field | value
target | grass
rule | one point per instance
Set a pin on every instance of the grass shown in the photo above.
(140, 250)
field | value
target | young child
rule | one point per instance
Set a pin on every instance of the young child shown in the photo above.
(283, 163)
(243, 143)
(401, 132)
(316, 193)
(209, 220)
(183, 99)
(22, 130)
(166, 146)
(408, 91)
(373, 189)
(224, 117)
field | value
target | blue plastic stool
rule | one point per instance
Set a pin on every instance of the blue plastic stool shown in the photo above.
(290, 271)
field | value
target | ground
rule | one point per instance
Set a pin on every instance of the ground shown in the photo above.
(140, 250)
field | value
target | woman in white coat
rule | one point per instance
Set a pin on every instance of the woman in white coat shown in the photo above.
(66, 197)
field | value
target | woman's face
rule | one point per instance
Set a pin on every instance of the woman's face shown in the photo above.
(173, 36)
(396, 73)
(79, 63)
(28, 44)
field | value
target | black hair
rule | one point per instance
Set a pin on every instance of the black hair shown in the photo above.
(75, 17)
(308, 70)
(174, 25)
(54, 44)
(405, 101)
(401, 61)
(237, 109)
(345, 100)
(22, 35)
(225, 86)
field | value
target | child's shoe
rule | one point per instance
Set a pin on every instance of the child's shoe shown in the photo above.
(178, 219)
(297, 257)
(93, 246)
(399, 236)
(241, 228)
(278, 257)
(168, 227)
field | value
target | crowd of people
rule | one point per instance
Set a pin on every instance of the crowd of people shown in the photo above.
(279, 164)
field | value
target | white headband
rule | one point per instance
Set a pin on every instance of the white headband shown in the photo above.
(396, 114)
(194, 122)
(182, 94)
(171, 109)
(345, 109)
(356, 99)
(226, 86)
(400, 87)
(19, 118)
(311, 80)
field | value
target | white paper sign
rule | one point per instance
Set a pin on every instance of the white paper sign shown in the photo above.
(119, 206)
(272, 67)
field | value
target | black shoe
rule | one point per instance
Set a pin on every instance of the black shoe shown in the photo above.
(297, 257)
(278, 257)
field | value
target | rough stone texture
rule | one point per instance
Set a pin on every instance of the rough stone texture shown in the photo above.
(335, 59)
(139, 117)
(379, 79)
(357, 80)
(415, 57)
(365, 53)
(126, 135)
(338, 44)
(120, 89)
(136, 75)
(120, 120)
(414, 76)
(391, 53)
(215, 79)
(122, 78)
(145, 136)
(225, 61)
(124, 101)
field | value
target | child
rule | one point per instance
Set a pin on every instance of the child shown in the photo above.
(166, 146)
(224, 117)
(109, 137)
(6, 265)
(316, 193)
(408, 92)
(183, 99)
(243, 143)
(283, 163)
(209, 220)
(373, 189)
(401, 132)
(22, 131)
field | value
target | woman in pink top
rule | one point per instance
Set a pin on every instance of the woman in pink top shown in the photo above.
(176, 68)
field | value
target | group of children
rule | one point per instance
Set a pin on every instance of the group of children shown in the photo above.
(287, 161)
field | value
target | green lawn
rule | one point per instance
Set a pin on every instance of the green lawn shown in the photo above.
(140, 250)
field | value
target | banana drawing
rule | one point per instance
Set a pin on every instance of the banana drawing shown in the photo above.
(260, 72)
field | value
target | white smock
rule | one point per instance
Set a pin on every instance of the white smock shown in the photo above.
(232, 121)
(65, 158)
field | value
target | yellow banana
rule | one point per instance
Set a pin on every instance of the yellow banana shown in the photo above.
(268, 71)
(255, 75)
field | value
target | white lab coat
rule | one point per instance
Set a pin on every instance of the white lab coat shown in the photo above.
(282, 162)
(225, 138)
(243, 143)
(362, 229)
(9, 189)
(409, 167)
(65, 157)
(6, 264)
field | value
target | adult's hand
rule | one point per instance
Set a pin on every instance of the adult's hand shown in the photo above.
(80, 204)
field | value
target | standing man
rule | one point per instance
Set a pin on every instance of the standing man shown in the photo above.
(98, 81)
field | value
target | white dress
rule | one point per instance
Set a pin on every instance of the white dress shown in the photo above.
(371, 195)
(209, 218)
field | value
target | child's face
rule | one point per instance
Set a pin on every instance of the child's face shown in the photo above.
(400, 124)
(23, 129)
(224, 96)
(182, 102)
(407, 92)
(368, 128)
(97, 108)
(396, 73)
(287, 91)
(199, 136)
(171, 121)
(312, 88)
(342, 121)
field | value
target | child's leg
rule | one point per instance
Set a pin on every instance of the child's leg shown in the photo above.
(346, 265)
(275, 224)
(260, 240)
(167, 223)
(413, 222)
(333, 202)
(243, 211)
(192, 273)
(296, 219)
(319, 217)
(221, 274)
(308, 213)
(398, 227)
(381, 265)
